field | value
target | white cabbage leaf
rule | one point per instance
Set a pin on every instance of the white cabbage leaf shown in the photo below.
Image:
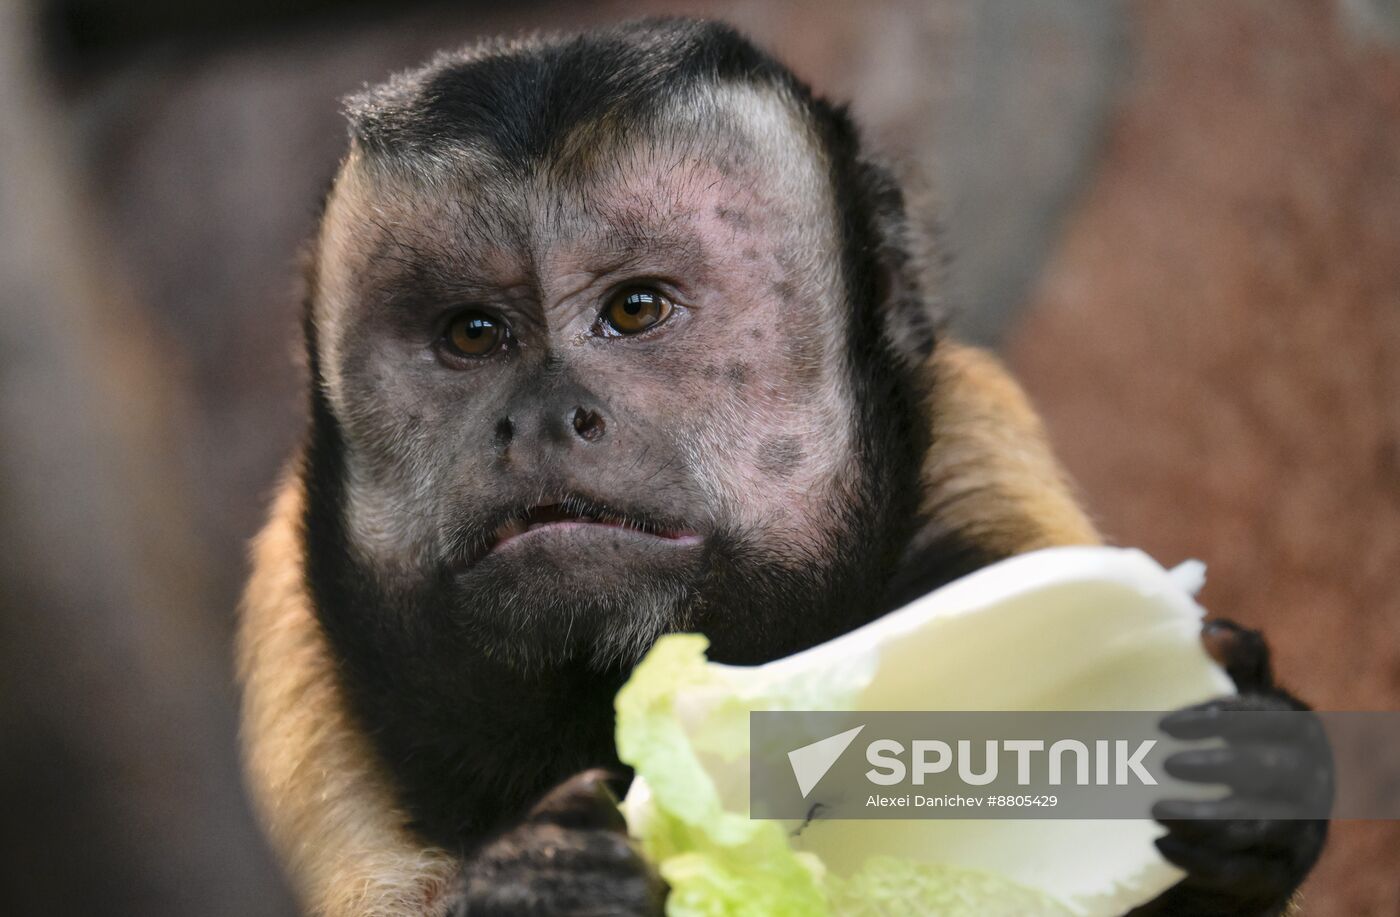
(1075, 628)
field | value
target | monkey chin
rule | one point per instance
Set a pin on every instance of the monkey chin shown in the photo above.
(591, 592)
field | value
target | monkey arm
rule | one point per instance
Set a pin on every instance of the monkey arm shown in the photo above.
(990, 486)
(313, 777)
(991, 474)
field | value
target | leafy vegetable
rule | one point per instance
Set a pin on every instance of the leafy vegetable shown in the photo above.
(1080, 628)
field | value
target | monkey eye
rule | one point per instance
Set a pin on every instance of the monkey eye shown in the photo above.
(634, 310)
(474, 334)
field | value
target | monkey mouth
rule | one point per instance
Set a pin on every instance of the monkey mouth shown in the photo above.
(574, 515)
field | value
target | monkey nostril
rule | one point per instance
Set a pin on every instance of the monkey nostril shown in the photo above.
(588, 425)
(505, 432)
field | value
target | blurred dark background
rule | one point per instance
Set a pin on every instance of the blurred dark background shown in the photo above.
(1179, 222)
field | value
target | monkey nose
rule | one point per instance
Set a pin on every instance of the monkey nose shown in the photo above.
(588, 425)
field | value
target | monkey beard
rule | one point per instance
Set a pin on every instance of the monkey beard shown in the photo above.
(537, 619)
(753, 600)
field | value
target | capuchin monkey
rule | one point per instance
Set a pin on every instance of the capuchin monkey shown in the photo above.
(614, 335)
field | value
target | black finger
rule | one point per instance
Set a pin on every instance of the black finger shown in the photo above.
(558, 864)
(1257, 769)
(1238, 834)
(1242, 652)
(1243, 875)
(585, 800)
(1229, 807)
(1245, 718)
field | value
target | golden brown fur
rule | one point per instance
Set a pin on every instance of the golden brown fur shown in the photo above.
(991, 476)
(327, 805)
(319, 791)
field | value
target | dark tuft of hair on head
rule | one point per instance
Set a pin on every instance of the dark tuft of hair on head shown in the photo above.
(518, 98)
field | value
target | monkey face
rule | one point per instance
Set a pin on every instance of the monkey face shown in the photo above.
(610, 336)
(580, 407)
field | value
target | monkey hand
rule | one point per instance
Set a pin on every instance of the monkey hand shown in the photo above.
(1276, 767)
(569, 856)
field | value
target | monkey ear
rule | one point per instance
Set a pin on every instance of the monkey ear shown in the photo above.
(910, 318)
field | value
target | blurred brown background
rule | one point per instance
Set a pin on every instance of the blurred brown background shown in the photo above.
(1180, 222)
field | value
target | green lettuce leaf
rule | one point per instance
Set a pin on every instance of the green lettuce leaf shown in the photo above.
(717, 862)
(721, 863)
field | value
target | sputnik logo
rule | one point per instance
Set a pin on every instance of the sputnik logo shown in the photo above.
(811, 762)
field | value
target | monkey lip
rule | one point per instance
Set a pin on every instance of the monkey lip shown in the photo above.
(565, 518)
